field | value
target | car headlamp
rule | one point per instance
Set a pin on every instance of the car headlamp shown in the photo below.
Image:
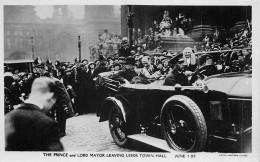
(205, 88)
(202, 84)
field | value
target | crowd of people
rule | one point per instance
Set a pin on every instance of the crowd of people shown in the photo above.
(74, 83)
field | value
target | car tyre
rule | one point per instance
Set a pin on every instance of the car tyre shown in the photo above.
(117, 127)
(183, 124)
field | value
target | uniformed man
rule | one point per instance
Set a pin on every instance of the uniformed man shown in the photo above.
(177, 76)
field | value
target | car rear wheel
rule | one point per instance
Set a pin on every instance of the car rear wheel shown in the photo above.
(183, 125)
(117, 127)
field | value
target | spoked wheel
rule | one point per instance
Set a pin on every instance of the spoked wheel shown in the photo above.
(117, 127)
(183, 125)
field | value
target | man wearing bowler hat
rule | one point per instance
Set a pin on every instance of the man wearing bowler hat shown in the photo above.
(127, 73)
(177, 76)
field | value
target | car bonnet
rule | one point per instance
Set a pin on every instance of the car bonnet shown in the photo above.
(238, 85)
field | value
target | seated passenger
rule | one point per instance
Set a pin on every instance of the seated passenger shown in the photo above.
(148, 71)
(209, 68)
(248, 58)
(127, 73)
(177, 76)
(165, 67)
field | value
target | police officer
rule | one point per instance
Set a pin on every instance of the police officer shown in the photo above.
(177, 76)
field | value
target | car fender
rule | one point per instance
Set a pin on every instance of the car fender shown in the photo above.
(109, 101)
(247, 131)
(244, 143)
(168, 100)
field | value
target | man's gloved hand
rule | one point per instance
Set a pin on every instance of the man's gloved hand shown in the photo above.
(199, 83)
(66, 110)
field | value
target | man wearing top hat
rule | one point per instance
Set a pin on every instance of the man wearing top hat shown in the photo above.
(177, 76)
(125, 49)
(127, 73)
(101, 67)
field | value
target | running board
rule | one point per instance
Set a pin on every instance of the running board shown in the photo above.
(155, 142)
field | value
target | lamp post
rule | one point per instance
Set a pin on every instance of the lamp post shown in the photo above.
(130, 25)
(32, 43)
(79, 46)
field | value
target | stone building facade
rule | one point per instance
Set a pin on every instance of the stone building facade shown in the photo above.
(204, 19)
(55, 37)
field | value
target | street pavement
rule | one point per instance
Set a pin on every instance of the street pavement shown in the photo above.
(86, 133)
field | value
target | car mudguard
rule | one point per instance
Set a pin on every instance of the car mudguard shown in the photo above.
(130, 115)
(244, 143)
(108, 104)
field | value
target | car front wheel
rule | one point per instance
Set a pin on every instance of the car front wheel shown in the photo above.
(117, 127)
(183, 125)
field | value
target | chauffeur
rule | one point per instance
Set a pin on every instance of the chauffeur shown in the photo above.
(177, 76)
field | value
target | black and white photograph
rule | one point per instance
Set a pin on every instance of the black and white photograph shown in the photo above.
(132, 81)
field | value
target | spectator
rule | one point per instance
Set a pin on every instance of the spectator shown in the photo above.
(91, 92)
(28, 128)
(124, 50)
(102, 67)
(81, 90)
(10, 98)
(62, 107)
(85, 62)
(117, 66)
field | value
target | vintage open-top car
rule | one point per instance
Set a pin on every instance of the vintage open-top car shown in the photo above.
(215, 116)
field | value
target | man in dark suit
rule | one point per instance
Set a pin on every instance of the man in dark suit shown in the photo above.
(102, 67)
(28, 128)
(127, 73)
(177, 76)
(91, 91)
(63, 106)
(125, 50)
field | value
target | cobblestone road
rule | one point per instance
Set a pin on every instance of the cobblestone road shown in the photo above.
(85, 133)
